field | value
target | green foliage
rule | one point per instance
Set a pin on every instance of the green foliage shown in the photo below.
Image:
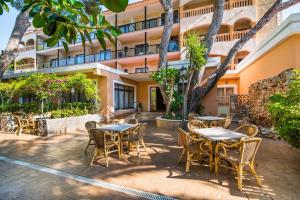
(68, 113)
(44, 88)
(168, 77)
(67, 20)
(285, 112)
(195, 51)
(4, 6)
(80, 82)
(177, 102)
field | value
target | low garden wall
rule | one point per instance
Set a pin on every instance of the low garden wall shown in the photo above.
(260, 92)
(68, 124)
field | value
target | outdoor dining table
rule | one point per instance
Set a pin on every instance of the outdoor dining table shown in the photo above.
(217, 134)
(210, 119)
(118, 129)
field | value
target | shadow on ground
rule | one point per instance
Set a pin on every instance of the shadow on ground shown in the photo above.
(156, 171)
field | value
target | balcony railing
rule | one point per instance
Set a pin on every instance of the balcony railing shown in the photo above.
(26, 48)
(24, 66)
(108, 55)
(225, 37)
(210, 8)
(127, 28)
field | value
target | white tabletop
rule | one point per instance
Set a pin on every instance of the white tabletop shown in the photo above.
(210, 118)
(218, 133)
(116, 127)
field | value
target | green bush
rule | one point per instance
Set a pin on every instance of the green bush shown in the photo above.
(285, 112)
(68, 113)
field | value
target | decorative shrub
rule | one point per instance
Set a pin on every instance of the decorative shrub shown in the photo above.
(47, 90)
(68, 113)
(285, 112)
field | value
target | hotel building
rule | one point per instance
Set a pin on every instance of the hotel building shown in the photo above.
(122, 71)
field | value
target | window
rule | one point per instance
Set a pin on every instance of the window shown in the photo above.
(53, 62)
(142, 70)
(105, 55)
(140, 49)
(79, 59)
(223, 95)
(123, 97)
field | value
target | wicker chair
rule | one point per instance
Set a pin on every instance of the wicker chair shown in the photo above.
(227, 122)
(238, 159)
(106, 143)
(23, 125)
(193, 124)
(136, 137)
(217, 123)
(192, 116)
(249, 129)
(89, 126)
(193, 147)
(132, 121)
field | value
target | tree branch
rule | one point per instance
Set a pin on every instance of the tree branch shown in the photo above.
(208, 41)
(201, 91)
(11, 51)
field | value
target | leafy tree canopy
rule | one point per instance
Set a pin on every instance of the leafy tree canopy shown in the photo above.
(66, 20)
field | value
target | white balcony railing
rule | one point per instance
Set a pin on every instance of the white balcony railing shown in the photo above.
(25, 66)
(210, 8)
(23, 49)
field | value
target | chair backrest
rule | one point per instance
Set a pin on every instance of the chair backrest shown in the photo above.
(17, 121)
(227, 122)
(133, 121)
(98, 136)
(90, 125)
(196, 124)
(143, 127)
(217, 123)
(192, 116)
(249, 129)
(249, 147)
(183, 138)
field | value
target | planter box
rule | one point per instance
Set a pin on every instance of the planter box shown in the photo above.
(66, 125)
(167, 123)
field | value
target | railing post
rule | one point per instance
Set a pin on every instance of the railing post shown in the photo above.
(231, 32)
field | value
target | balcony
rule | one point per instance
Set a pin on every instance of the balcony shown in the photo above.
(108, 55)
(210, 8)
(24, 66)
(127, 28)
(27, 48)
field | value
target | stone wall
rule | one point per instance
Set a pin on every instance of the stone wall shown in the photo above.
(260, 92)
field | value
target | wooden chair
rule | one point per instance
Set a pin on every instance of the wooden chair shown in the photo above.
(248, 129)
(192, 116)
(106, 143)
(194, 147)
(238, 159)
(135, 136)
(89, 125)
(22, 125)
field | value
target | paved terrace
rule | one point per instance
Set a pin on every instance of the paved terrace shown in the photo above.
(157, 171)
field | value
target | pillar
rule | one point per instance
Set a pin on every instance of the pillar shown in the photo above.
(231, 32)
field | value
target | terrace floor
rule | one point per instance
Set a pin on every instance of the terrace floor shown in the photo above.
(157, 171)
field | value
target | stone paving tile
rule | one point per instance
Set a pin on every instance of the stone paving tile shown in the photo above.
(157, 170)
(31, 184)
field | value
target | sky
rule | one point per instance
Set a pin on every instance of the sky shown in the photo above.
(7, 21)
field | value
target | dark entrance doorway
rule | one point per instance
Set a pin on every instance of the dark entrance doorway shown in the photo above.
(156, 100)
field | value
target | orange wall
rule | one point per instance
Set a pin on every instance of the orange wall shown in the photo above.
(282, 57)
